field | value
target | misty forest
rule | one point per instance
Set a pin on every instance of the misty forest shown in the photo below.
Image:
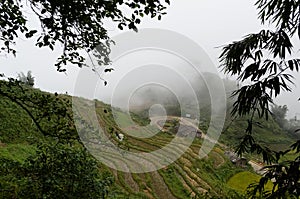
(163, 140)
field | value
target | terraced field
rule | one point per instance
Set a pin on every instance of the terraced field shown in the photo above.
(187, 177)
(241, 180)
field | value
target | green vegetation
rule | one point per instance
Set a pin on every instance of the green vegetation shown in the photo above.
(17, 152)
(174, 182)
(242, 180)
(263, 60)
(58, 162)
(267, 133)
(55, 171)
(69, 25)
(40, 155)
(264, 63)
(16, 126)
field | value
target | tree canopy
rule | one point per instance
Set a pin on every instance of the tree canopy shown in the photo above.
(78, 25)
(267, 60)
(55, 171)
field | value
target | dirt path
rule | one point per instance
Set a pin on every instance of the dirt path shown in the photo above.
(185, 121)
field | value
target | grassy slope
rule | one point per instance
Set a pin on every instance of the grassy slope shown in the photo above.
(241, 180)
(16, 126)
(17, 152)
(186, 177)
(268, 134)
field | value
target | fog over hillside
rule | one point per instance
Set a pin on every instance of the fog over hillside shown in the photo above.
(166, 88)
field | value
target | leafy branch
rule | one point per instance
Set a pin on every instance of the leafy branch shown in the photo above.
(261, 60)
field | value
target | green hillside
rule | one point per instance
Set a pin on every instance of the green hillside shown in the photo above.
(188, 177)
(268, 133)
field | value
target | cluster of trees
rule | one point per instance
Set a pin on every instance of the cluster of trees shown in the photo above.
(279, 114)
(26, 79)
(291, 126)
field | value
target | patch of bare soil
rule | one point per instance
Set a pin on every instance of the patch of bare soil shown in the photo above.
(130, 182)
(159, 186)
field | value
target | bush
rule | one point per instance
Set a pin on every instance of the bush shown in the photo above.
(56, 171)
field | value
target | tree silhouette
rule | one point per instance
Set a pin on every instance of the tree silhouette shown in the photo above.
(26, 79)
(266, 59)
(74, 24)
(279, 114)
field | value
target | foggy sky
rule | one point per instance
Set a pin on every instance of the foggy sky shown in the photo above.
(210, 23)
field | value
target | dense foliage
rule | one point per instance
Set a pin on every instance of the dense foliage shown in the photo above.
(49, 112)
(266, 59)
(77, 24)
(57, 165)
(54, 171)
